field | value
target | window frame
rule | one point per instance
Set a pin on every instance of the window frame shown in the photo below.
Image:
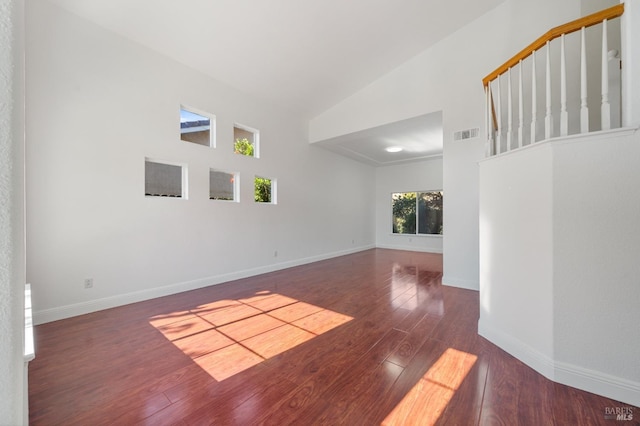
(184, 178)
(212, 125)
(235, 185)
(417, 232)
(272, 192)
(256, 139)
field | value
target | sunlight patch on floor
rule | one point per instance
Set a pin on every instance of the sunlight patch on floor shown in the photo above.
(426, 401)
(226, 337)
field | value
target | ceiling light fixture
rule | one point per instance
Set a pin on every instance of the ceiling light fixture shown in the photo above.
(393, 149)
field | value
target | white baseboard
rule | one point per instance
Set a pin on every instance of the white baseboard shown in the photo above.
(68, 311)
(525, 353)
(460, 283)
(619, 389)
(410, 248)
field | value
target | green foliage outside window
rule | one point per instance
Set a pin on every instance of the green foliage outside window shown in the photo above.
(404, 213)
(262, 186)
(243, 146)
(417, 212)
(262, 190)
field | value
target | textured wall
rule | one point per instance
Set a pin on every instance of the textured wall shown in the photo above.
(11, 213)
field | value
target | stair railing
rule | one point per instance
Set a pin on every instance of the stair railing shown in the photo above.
(501, 139)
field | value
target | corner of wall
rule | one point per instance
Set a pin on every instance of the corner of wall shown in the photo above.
(460, 283)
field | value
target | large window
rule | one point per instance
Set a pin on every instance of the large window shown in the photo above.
(417, 212)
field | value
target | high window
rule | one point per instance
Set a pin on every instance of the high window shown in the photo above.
(164, 179)
(417, 212)
(196, 127)
(265, 190)
(223, 185)
(246, 141)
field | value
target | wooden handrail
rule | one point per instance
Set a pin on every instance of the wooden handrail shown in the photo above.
(570, 27)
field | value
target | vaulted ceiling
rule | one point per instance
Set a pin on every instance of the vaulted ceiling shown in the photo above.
(303, 55)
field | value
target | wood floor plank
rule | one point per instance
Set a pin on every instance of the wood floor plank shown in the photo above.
(294, 311)
(386, 345)
(299, 404)
(414, 339)
(503, 391)
(364, 339)
(249, 327)
(272, 302)
(353, 395)
(230, 314)
(277, 341)
(248, 413)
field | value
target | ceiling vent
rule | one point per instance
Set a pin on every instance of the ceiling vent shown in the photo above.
(466, 134)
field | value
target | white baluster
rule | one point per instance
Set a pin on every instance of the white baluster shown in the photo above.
(533, 97)
(584, 109)
(548, 119)
(564, 116)
(487, 119)
(520, 106)
(509, 111)
(606, 108)
(499, 132)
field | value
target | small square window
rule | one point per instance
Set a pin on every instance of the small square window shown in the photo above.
(164, 180)
(265, 190)
(246, 141)
(196, 127)
(223, 185)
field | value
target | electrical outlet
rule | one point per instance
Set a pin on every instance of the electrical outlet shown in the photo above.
(88, 283)
(275, 253)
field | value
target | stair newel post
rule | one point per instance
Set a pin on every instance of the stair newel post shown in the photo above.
(584, 109)
(520, 106)
(533, 97)
(509, 111)
(548, 119)
(606, 108)
(564, 115)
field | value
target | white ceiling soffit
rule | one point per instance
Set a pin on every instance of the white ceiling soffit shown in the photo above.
(303, 55)
(420, 138)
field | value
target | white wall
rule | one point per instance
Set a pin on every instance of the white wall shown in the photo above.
(97, 105)
(448, 77)
(410, 177)
(596, 273)
(631, 63)
(12, 266)
(516, 255)
(559, 282)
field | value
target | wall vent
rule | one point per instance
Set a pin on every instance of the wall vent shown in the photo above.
(466, 134)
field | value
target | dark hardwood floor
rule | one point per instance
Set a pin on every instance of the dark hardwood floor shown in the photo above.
(366, 339)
